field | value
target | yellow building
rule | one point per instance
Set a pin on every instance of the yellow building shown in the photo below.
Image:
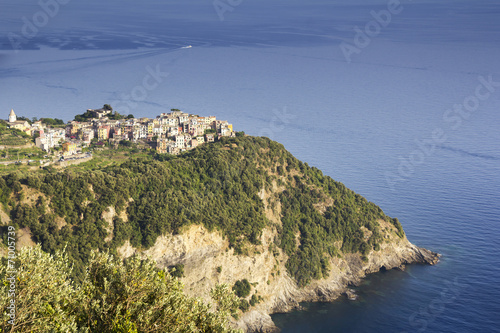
(103, 133)
(161, 146)
(20, 125)
(69, 148)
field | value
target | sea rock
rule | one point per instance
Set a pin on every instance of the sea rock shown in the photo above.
(257, 321)
(351, 294)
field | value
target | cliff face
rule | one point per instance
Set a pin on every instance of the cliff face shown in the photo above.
(240, 209)
(202, 252)
(208, 261)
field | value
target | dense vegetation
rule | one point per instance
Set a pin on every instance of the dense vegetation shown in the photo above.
(114, 297)
(52, 122)
(88, 115)
(215, 185)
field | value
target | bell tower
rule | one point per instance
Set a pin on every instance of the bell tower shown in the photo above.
(12, 116)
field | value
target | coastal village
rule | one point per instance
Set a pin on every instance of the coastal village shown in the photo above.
(172, 133)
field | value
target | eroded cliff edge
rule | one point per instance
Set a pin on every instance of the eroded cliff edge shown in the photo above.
(241, 209)
(202, 252)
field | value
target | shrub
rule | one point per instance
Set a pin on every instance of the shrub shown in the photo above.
(177, 270)
(244, 306)
(242, 288)
(46, 299)
(255, 300)
(115, 296)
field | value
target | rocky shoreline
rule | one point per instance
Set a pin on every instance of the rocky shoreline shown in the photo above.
(328, 290)
(208, 261)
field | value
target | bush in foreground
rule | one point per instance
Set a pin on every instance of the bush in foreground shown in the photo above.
(115, 296)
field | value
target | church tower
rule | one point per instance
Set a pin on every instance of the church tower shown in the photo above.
(12, 116)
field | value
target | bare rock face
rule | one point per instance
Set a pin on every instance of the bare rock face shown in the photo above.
(257, 321)
(208, 261)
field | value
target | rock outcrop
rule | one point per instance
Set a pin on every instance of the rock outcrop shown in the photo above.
(208, 260)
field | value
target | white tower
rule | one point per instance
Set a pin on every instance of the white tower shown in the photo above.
(12, 116)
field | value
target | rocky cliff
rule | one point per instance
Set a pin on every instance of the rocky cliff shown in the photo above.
(203, 252)
(242, 209)
(208, 260)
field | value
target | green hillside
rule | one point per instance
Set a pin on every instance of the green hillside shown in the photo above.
(216, 185)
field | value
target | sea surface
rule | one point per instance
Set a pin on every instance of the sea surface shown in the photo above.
(406, 120)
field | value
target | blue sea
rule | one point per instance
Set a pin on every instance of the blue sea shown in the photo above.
(400, 101)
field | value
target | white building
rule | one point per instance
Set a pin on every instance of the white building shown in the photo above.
(50, 138)
(180, 141)
(183, 118)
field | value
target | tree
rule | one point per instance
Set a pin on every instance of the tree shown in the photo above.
(225, 300)
(52, 122)
(126, 143)
(136, 295)
(84, 116)
(244, 305)
(24, 118)
(107, 107)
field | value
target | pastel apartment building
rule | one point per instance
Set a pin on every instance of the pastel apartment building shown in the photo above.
(69, 148)
(50, 138)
